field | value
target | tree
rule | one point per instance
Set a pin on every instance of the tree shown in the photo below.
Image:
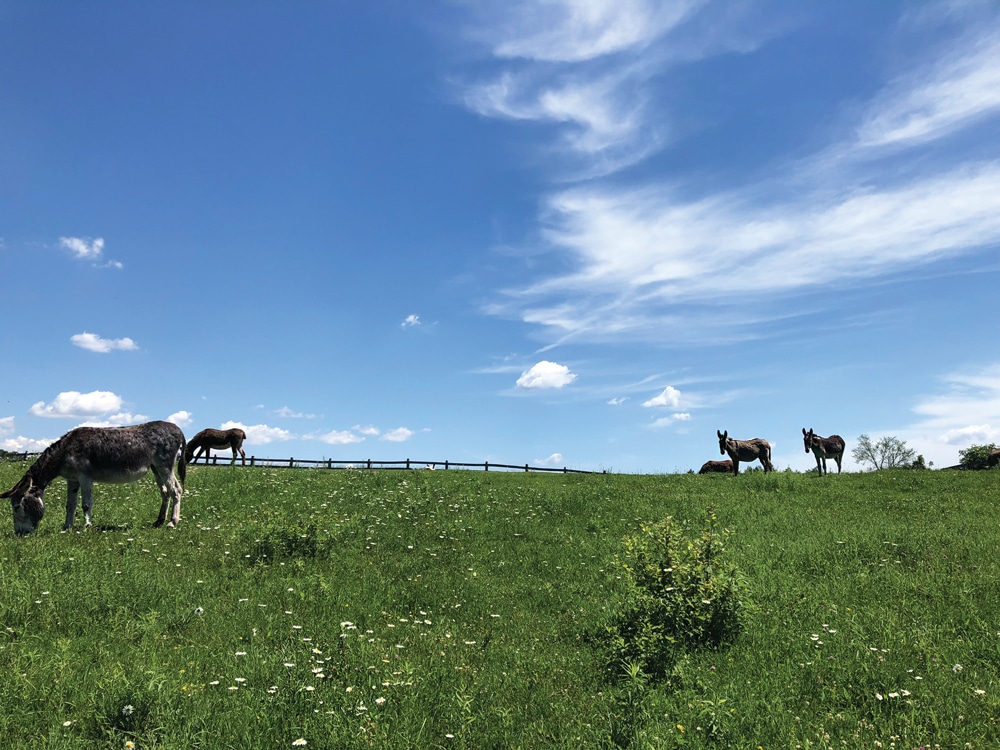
(886, 453)
(976, 456)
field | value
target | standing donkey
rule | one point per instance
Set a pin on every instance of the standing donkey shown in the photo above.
(824, 448)
(745, 450)
(210, 439)
(110, 455)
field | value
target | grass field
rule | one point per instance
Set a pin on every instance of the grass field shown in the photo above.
(351, 609)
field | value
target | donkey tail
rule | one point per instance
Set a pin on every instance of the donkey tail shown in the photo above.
(182, 464)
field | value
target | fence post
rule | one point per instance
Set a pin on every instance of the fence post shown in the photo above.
(407, 463)
(251, 461)
(215, 460)
(486, 466)
(369, 463)
(291, 463)
(526, 467)
(446, 464)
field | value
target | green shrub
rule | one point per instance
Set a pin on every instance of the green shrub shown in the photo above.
(679, 596)
(976, 456)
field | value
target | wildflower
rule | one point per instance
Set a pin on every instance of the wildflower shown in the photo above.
(67, 723)
(129, 745)
(299, 742)
(379, 701)
(957, 668)
(980, 692)
(128, 710)
(214, 682)
(680, 728)
(199, 611)
(241, 653)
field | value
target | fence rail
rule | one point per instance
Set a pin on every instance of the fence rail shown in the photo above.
(368, 463)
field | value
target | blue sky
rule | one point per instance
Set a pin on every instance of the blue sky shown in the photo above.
(563, 232)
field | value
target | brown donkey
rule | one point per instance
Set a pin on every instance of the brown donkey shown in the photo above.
(716, 467)
(745, 450)
(824, 448)
(210, 439)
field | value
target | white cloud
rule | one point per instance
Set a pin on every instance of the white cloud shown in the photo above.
(25, 445)
(974, 433)
(578, 30)
(369, 430)
(337, 437)
(556, 459)
(671, 420)
(935, 100)
(399, 435)
(6, 426)
(410, 321)
(84, 249)
(181, 418)
(93, 342)
(618, 401)
(260, 434)
(74, 405)
(545, 374)
(284, 411)
(670, 397)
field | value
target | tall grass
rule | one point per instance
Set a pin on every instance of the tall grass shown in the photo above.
(461, 610)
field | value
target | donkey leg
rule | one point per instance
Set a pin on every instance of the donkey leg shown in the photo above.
(170, 490)
(736, 466)
(824, 470)
(72, 491)
(243, 455)
(87, 495)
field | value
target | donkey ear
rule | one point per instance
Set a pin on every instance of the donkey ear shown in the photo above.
(719, 434)
(803, 430)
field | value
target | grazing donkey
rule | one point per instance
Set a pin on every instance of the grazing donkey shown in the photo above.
(745, 450)
(994, 459)
(210, 439)
(110, 455)
(716, 467)
(824, 448)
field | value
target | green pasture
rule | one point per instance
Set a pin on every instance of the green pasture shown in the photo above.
(453, 609)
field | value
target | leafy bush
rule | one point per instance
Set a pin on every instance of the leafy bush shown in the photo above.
(975, 456)
(679, 596)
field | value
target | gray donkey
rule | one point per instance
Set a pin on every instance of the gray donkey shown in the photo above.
(745, 450)
(110, 455)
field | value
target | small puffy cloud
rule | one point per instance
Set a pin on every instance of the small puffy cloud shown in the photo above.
(338, 437)
(545, 374)
(410, 321)
(671, 420)
(971, 435)
(75, 405)
(284, 411)
(94, 343)
(260, 434)
(671, 397)
(399, 435)
(84, 249)
(25, 445)
(618, 401)
(556, 459)
(181, 418)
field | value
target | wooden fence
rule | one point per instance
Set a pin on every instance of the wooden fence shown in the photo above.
(329, 463)
(368, 463)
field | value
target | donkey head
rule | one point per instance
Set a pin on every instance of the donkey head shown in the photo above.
(723, 437)
(808, 438)
(26, 502)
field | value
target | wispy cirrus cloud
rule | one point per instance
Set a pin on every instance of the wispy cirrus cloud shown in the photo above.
(94, 343)
(944, 95)
(664, 260)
